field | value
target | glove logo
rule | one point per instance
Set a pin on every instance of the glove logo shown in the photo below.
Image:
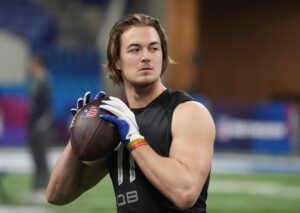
(91, 111)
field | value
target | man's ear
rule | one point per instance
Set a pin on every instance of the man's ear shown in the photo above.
(118, 65)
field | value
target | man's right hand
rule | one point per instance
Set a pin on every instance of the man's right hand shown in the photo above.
(85, 100)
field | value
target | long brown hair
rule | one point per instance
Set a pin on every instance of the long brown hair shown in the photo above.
(113, 47)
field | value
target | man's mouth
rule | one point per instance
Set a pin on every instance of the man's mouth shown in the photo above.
(145, 68)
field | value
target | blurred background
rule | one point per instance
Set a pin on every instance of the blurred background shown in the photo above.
(240, 58)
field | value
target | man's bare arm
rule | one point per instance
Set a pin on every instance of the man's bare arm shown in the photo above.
(181, 176)
(71, 177)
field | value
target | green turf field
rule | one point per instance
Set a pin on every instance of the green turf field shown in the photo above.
(228, 193)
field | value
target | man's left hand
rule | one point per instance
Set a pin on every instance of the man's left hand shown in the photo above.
(124, 118)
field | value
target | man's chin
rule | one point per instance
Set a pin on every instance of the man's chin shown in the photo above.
(144, 83)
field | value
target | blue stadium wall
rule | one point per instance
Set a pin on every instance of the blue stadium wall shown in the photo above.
(72, 72)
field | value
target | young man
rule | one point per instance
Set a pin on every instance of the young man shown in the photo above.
(164, 160)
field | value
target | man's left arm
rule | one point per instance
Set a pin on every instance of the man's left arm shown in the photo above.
(182, 175)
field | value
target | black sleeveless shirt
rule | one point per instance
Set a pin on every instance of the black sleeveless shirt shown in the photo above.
(134, 193)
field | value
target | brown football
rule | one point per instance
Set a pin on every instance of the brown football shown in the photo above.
(92, 137)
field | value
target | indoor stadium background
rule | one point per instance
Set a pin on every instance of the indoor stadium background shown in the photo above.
(240, 58)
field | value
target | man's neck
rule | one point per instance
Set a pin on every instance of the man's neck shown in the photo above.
(139, 97)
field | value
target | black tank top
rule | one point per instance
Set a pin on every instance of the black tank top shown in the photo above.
(134, 193)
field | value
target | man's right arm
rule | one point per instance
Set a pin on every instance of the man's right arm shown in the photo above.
(71, 177)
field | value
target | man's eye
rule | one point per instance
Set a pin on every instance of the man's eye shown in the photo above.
(154, 48)
(134, 50)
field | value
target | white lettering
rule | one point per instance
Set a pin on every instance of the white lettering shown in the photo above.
(234, 128)
(128, 197)
(121, 200)
(132, 197)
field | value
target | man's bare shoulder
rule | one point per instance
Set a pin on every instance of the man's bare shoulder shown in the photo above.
(192, 108)
(194, 118)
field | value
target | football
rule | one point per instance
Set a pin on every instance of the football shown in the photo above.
(92, 137)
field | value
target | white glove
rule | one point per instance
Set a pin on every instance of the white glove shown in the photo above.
(124, 118)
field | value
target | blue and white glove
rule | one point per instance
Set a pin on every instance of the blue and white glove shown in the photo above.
(81, 102)
(125, 120)
(85, 100)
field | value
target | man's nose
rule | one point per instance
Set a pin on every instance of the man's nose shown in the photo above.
(145, 55)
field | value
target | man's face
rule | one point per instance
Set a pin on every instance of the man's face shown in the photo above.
(140, 56)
